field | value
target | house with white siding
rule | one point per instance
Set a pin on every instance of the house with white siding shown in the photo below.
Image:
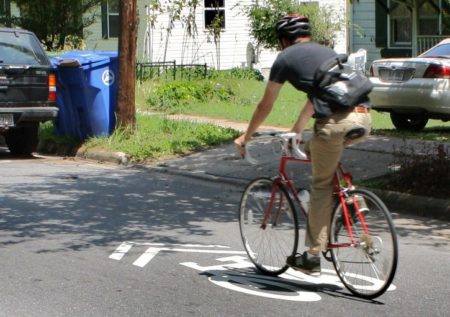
(232, 47)
(384, 28)
(195, 45)
(190, 39)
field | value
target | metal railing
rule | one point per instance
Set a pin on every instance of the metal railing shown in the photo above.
(425, 42)
(170, 70)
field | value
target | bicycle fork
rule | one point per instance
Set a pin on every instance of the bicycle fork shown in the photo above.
(349, 219)
(268, 212)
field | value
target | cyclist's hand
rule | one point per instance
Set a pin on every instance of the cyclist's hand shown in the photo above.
(297, 139)
(240, 146)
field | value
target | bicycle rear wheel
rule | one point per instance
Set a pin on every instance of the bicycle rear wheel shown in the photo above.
(269, 227)
(367, 268)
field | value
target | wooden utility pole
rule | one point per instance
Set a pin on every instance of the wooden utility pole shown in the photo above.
(126, 111)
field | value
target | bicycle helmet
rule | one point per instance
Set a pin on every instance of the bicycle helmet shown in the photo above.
(292, 26)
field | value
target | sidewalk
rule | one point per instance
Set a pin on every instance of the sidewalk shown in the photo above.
(366, 160)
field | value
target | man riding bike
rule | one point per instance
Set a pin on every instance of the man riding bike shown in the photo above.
(334, 127)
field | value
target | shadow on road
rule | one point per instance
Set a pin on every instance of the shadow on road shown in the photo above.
(82, 210)
(107, 206)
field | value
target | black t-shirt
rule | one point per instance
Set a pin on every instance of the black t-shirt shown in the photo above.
(298, 63)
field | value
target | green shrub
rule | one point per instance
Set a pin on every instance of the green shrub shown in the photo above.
(191, 73)
(173, 96)
(236, 73)
(246, 73)
(421, 171)
(164, 72)
(263, 16)
(50, 142)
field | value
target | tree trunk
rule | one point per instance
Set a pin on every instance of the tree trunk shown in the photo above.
(126, 112)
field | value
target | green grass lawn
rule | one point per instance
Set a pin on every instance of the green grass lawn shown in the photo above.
(285, 111)
(157, 137)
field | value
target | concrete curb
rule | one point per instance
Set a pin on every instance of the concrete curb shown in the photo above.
(404, 203)
(103, 156)
(417, 205)
(201, 176)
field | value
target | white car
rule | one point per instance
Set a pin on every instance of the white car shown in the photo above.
(413, 90)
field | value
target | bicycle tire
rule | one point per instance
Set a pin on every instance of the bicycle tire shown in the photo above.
(367, 269)
(268, 246)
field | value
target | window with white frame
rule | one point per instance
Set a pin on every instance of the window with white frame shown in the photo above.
(110, 18)
(3, 6)
(215, 13)
(445, 17)
(400, 24)
(434, 17)
(429, 17)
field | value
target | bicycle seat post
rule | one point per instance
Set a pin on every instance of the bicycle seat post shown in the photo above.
(343, 178)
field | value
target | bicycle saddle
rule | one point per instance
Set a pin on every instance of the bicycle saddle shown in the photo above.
(355, 133)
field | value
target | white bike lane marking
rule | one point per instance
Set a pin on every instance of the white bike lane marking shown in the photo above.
(236, 272)
(228, 276)
(155, 248)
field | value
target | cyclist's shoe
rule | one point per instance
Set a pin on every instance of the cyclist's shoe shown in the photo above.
(305, 263)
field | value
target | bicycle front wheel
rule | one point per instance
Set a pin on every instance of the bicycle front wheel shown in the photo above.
(268, 225)
(367, 263)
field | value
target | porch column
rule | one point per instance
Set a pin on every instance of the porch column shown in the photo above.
(415, 26)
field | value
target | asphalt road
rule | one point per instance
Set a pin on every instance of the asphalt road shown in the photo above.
(79, 238)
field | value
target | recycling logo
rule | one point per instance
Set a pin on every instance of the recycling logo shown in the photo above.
(108, 77)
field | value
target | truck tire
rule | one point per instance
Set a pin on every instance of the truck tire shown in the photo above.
(23, 140)
(408, 122)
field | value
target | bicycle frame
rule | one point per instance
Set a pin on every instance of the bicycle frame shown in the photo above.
(354, 246)
(282, 178)
(341, 185)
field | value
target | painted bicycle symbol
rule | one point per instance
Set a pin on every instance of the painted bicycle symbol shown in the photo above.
(235, 272)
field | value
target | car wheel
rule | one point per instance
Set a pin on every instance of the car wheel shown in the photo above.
(409, 122)
(23, 140)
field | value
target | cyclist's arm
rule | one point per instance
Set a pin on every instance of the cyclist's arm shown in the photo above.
(261, 112)
(303, 118)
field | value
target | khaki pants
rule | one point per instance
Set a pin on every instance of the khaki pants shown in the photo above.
(325, 151)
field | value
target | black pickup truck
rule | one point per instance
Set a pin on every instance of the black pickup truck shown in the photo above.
(27, 89)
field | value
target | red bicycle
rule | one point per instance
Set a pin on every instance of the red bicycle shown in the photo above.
(362, 239)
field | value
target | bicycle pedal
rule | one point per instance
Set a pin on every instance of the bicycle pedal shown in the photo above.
(327, 255)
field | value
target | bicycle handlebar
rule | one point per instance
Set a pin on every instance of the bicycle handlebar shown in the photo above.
(289, 142)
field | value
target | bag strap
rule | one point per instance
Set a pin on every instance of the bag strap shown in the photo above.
(325, 73)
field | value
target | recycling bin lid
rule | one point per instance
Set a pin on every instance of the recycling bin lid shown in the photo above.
(54, 61)
(83, 58)
(68, 62)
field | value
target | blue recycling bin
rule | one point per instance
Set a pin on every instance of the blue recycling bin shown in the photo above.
(87, 82)
(67, 122)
